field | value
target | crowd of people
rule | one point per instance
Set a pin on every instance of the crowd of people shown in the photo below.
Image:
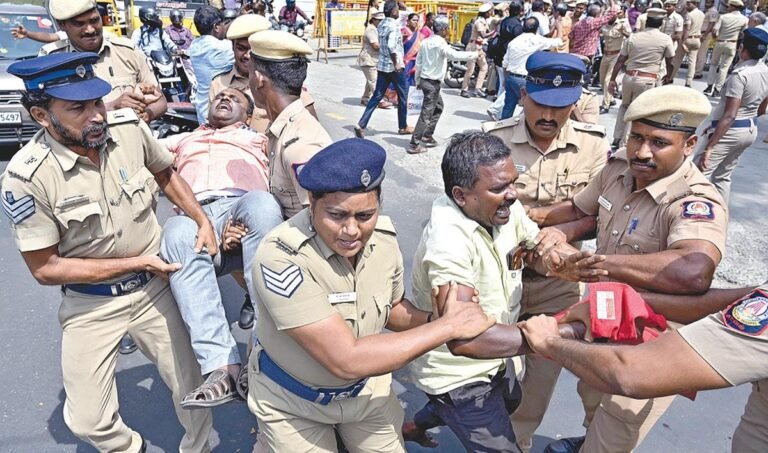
(264, 194)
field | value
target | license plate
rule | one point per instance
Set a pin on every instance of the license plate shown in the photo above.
(10, 117)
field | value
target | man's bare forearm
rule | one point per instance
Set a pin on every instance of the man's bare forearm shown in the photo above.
(669, 271)
(404, 316)
(502, 341)
(555, 214)
(686, 309)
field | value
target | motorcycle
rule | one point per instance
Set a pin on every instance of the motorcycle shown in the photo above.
(297, 28)
(171, 76)
(454, 76)
(179, 117)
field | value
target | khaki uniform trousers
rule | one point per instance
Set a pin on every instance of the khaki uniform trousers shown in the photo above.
(751, 435)
(701, 58)
(725, 156)
(606, 69)
(370, 73)
(370, 422)
(540, 374)
(92, 329)
(481, 63)
(693, 45)
(722, 57)
(632, 87)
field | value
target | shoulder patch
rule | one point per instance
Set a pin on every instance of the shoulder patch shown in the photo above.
(120, 41)
(26, 162)
(55, 46)
(697, 210)
(283, 283)
(290, 142)
(122, 116)
(588, 127)
(489, 126)
(385, 224)
(18, 210)
(749, 314)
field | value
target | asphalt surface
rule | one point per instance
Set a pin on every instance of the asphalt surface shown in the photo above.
(30, 382)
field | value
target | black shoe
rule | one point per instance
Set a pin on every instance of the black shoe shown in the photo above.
(715, 93)
(127, 345)
(698, 77)
(613, 103)
(565, 445)
(708, 90)
(604, 110)
(464, 94)
(246, 314)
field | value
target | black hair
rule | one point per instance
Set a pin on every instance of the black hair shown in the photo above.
(593, 10)
(530, 25)
(429, 16)
(654, 22)
(206, 17)
(412, 15)
(515, 8)
(465, 153)
(286, 76)
(389, 7)
(31, 99)
(537, 5)
(251, 105)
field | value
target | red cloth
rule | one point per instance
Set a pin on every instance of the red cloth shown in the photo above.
(616, 311)
(585, 34)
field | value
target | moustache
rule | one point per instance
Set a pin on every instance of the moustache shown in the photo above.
(643, 162)
(546, 123)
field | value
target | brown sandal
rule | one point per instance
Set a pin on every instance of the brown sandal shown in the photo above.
(218, 388)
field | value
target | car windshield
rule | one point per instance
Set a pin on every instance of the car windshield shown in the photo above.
(14, 49)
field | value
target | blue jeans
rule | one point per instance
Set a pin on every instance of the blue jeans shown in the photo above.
(194, 286)
(512, 85)
(400, 80)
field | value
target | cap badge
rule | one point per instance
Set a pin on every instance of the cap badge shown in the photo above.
(557, 81)
(365, 178)
(80, 71)
(675, 119)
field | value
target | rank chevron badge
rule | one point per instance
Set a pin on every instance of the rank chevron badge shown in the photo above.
(283, 283)
(18, 210)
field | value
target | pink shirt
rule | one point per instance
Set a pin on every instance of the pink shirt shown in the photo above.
(233, 157)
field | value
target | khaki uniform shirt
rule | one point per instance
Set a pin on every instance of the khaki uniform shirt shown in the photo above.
(454, 247)
(299, 280)
(55, 196)
(232, 79)
(672, 24)
(368, 55)
(551, 176)
(735, 341)
(587, 108)
(731, 26)
(119, 63)
(712, 17)
(640, 23)
(683, 205)
(646, 50)
(749, 83)
(614, 35)
(294, 137)
(695, 21)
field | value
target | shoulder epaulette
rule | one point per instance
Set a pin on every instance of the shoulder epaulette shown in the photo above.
(384, 224)
(52, 47)
(122, 116)
(589, 127)
(120, 41)
(26, 162)
(489, 126)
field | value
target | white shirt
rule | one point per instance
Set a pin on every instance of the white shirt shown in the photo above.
(432, 60)
(543, 22)
(520, 48)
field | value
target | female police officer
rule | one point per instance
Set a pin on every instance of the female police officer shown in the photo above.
(327, 282)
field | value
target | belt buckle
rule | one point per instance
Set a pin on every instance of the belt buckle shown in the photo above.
(342, 395)
(131, 285)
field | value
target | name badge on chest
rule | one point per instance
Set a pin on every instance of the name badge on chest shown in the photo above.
(340, 298)
(604, 202)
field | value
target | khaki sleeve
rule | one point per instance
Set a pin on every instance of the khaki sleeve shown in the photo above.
(586, 200)
(449, 257)
(625, 48)
(734, 86)
(373, 35)
(696, 217)
(679, 25)
(527, 230)
(156, 157)
(146, 75)
(669, 49)
(288, 291)
(398, 285)
(721, 341)
(295, 156)
(33, 225)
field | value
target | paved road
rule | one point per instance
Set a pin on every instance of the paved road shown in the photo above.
(30, 383)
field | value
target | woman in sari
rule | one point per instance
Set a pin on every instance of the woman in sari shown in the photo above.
(413, 36)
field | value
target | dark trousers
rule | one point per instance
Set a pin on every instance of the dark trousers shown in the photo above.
(383, 79)
(430, 110)
(513, 84)
(477, 413)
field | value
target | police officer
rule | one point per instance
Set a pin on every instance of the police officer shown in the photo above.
(555, 157)
(711, 19)
(327, 282)
(727, 34)
(690, 41)
(641, 58)
(661, 226)
(120, 64)
(613, 37)
(278, 70)
(238, 32)
(733, 128)
(724, 349)
(79, 199)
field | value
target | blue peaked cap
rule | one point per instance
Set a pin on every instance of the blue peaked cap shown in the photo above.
(350, 165)
(65, 75)
(554, 79)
